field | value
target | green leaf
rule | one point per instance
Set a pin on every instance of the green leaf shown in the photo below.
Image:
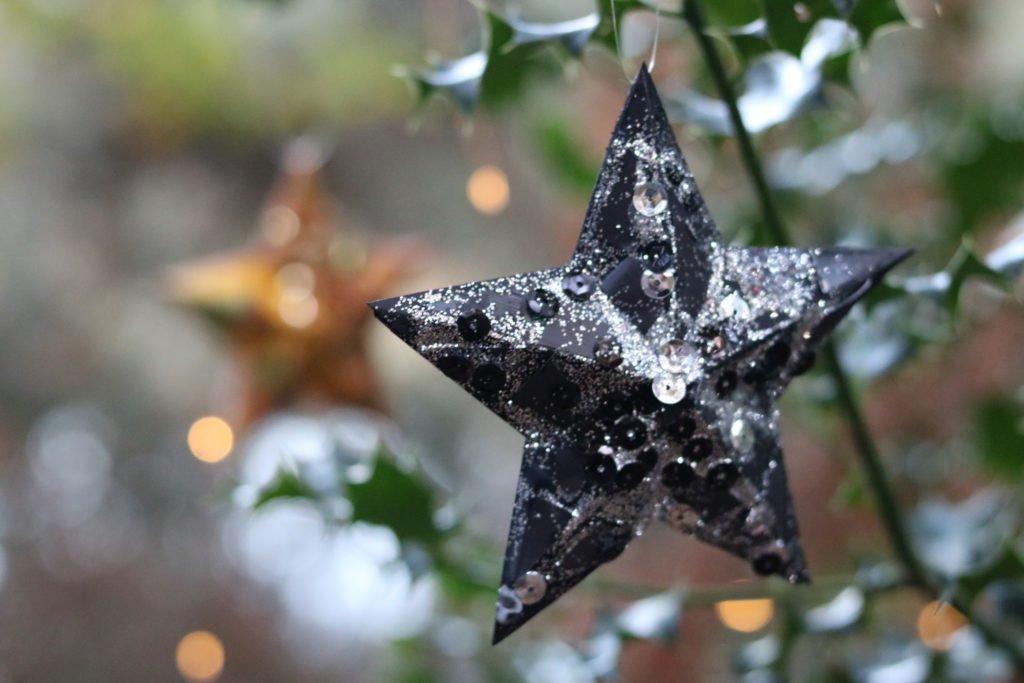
(965, 265)
(870, 15)
(788, 26)
(286, 485)
(1008, 566)
(730, 13)
(999, 435)
(852, 493)
(612, 14)
(748, 46)
(570, 160)
(395, 498)
(986, 176)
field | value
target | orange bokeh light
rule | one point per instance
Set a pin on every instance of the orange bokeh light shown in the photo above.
(936, 624)
(210, 439)
(487, 190)
(745, 616)
(199, 656)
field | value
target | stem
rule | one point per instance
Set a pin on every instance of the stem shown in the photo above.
(867, 452)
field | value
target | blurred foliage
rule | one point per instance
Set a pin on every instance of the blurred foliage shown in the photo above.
(190, 68)
(247, 70)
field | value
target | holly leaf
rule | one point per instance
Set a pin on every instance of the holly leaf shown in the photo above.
(967, 264)
(286, 485)
(731, 13)
(395, 498)
(569, 160)
(985, 178)
(870, 15)
(789, 23)
(999, 436)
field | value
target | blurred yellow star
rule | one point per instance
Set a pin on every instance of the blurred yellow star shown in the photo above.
(292, 305)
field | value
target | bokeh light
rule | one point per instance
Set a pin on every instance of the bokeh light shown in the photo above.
(296, 303)
(487, 190)
(745, 616)
(210, 439)
(937, 623)
(200, 656)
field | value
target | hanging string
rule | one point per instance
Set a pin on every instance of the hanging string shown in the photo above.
(654, 46)
(618, 45)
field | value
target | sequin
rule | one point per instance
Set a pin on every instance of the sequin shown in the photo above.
(668, 388)
(677, 356)
(542, 304)
(723, 475)
(579, 286)
(531, 587)
(649, 199)
(767, 563)
(629, 432)
(608, 352)
(741, 435)
(473, 325)
(657, 285)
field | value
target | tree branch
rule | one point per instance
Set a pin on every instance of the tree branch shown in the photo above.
(867, 452)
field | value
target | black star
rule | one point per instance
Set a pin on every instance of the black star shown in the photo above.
(644, 374)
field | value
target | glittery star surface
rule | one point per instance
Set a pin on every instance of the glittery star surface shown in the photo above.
(644, 373)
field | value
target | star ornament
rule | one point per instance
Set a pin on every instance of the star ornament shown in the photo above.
(644, 374)
(290, 306)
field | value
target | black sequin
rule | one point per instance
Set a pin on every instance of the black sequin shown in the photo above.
(579, 286)
(767, 563)
(647, 459)
(608, 352)
(473, 325)
(657, 256)
(455, 366)
(726, 383)
(697, 449)
(613, 406)
(722, 475)
(488, 379)
(542, 304)
(677, 476)
(562, 396)
(630, 476)
(776, 357)
(629, 432)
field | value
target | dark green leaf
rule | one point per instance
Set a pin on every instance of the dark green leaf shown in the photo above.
(286, 484)
(870, 15)
(395, 498)
(965, 265)
(986, 177)
(1000, 438)
(612, 14)
(730, 13)
(569, 159)
(789, 22)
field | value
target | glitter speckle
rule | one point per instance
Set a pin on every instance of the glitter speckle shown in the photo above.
(734, 307)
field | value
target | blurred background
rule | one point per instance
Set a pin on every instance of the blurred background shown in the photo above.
(215, 466)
